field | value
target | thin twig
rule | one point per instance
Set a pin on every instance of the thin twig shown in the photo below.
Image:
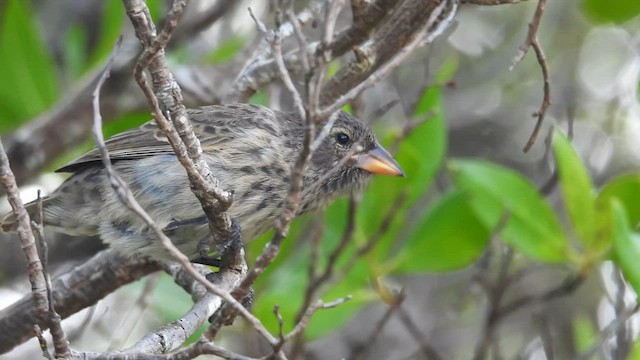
(42, 342)
(28, 242)
(60, 341)
(276, 47)
(302, 39)
(546, 337)
(428, 351)
(532, 41)
(347, 235)
(603, 336)
(566, 287)
(360, 351)
(438, 21)
(133, 315)
(318, 305)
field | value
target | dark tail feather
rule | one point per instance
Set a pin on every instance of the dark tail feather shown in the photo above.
(10, 221)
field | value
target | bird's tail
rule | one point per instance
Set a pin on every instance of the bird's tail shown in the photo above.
(9, 221)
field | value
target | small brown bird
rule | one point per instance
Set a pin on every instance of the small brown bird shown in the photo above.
(250, 150)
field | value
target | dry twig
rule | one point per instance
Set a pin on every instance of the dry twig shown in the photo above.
(532, 41)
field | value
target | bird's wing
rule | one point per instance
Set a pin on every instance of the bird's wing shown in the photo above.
(214, 126)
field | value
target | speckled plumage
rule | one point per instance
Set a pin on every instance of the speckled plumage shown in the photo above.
(250, 150)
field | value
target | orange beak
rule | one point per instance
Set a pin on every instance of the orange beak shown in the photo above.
(378, 161)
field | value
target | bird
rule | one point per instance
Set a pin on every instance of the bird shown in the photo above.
(250, 149)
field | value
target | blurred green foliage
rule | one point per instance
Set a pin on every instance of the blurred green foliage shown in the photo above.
(227, 50)
(604, 11)
(30, 84)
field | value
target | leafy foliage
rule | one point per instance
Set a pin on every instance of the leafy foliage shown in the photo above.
(449, 237)
(504, 199)
(26, 68)
(617, 11)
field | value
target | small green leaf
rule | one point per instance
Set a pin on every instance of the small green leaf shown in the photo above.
(430, 98)
(447, 70)
(626, 189)
(497, 193)
(332, 69)
(227, 50)
(577, 189)
(626, 247)
(617, 11)
(449, 237)
(584, 333)
(603, 230)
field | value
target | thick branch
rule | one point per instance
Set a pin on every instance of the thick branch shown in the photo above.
(72, 292)
(413, 19)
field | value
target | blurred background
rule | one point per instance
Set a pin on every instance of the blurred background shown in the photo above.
(477, 107)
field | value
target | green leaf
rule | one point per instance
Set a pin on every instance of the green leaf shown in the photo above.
(618, 11)
(430, 99)
(626, 247)
(421, 156)
(635, 351)
(75, 57)
(157, 9)
(626, 189)
(357, 285)
(584, 333)
(497, 193)
(227, 50)
(26, 68)
(449, 237)
(291, 268)
(577, 189)
(332, 69)
(110, 29)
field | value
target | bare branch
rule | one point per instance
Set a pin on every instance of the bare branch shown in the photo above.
(427, 350)
(73, 291)
(259, 69)
(304, 320)
(546, 100)
(42, 342)
(36, 275)
(603, 335)
(60, 342)
(133, 315)
(532, 41)
(439, 16)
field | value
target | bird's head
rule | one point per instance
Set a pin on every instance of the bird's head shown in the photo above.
(349, 155)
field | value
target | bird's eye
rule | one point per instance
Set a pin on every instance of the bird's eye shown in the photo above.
(342, 138)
